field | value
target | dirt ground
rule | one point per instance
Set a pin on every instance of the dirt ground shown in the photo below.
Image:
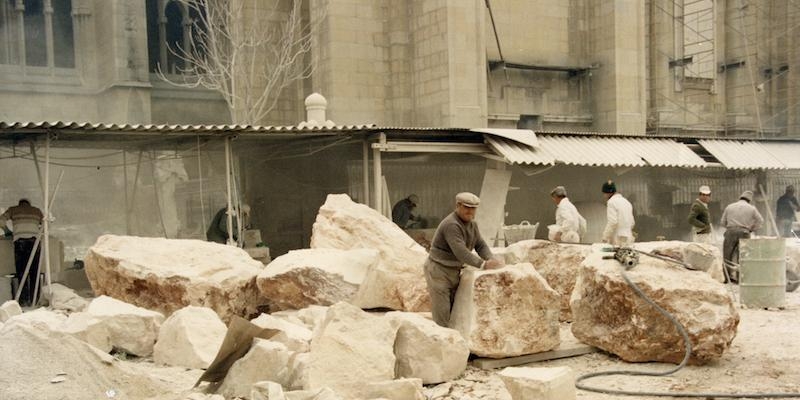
(764, 358)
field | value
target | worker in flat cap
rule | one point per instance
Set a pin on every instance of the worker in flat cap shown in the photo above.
(451, 249)
(619, 217)
(785, 212)
(402, 213)
(571, 226)
(699, 217)
(740, 219)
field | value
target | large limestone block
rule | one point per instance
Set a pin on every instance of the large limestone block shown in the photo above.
(265, 361)
(506, 312)
(426, 350)
(294, 337)
(701, 256)
(608, 314)
(190, 337)
(539, 383)
(166, 275)
(131, 329)
(9, 309)
(301, 278)
(351, 349)
(399, 389)
(398, 280)
(558, 263)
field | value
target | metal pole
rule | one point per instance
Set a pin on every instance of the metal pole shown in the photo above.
(125, 186)
(378, 173)
(228, 184)
(38, 171)
(365, 170)
(46, 223)
(200, 177)
(155, 192)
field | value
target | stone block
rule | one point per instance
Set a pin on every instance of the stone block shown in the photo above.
(539, 383)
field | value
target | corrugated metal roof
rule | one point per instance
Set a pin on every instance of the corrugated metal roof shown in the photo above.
(599, 151)
(735, 154)
(174, 128)
(787, 153)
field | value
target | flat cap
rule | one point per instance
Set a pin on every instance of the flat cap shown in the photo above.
(559, 191)
(468, 199)
(705, 189)
(747, 195)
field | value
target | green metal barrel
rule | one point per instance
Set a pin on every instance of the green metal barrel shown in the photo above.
(762, 272)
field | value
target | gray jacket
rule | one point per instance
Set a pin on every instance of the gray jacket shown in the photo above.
(454, 241)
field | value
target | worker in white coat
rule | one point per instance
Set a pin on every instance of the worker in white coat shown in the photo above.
(619, 215)
(570, 225)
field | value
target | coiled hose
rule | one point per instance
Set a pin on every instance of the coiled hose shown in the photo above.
(688, 352)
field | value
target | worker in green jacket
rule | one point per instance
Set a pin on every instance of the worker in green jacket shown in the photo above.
(700, 218)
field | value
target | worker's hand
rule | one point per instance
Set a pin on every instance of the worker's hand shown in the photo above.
(493, 264)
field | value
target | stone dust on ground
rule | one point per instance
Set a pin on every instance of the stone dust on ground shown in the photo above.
(763, 358)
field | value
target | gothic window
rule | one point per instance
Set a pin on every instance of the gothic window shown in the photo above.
(698, 38)
(37, 33)
(170, 27)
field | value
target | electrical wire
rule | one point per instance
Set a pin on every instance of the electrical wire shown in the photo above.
(687, 354)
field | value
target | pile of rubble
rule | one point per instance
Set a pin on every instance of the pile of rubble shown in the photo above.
(172, 303)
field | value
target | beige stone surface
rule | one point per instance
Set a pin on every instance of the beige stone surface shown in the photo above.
(294, 337)
(266, 390)
(61, 297)
(558, 263)
(506, 312)
(352, 348)
(265, 361)
(524, 383)
(9, 309)
(701, 256)
(190, 337)
(608, 314)
(131, 329)
(325, 393)
(426, 350)
(41, 318)
(397, 281)
(166, 275)
(307, 277)
(398, 389)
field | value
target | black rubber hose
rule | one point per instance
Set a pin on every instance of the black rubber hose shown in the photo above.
(688, 352)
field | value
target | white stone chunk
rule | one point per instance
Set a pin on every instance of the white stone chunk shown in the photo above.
(131, 329)
(539, 383)
(166, 275)
(295, 337)
(324, 393)
(61, 297)
(426, 350)
(9, 309)
(266, 390)
(89, 329)
(700, 256)
(204, 396)
(190, 337)
(506, 312)
(399, 389)
(265, 361)
(350, 349)
(314, 276)
(313, 316)
(40, 318)
(608, 314)
(397, 281)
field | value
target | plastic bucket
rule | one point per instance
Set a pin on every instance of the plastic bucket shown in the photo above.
(762, 272)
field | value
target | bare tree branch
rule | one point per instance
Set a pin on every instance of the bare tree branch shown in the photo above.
(247, 50)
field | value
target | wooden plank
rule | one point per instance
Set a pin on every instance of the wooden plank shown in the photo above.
(570, 351)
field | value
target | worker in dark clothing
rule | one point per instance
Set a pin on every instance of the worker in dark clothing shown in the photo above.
(699, 217)
(26, 222)
(402, 212)
(218, 229)
(785, 214)
(451, 249)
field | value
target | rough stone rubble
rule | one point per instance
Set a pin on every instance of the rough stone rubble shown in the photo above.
(166, 302)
